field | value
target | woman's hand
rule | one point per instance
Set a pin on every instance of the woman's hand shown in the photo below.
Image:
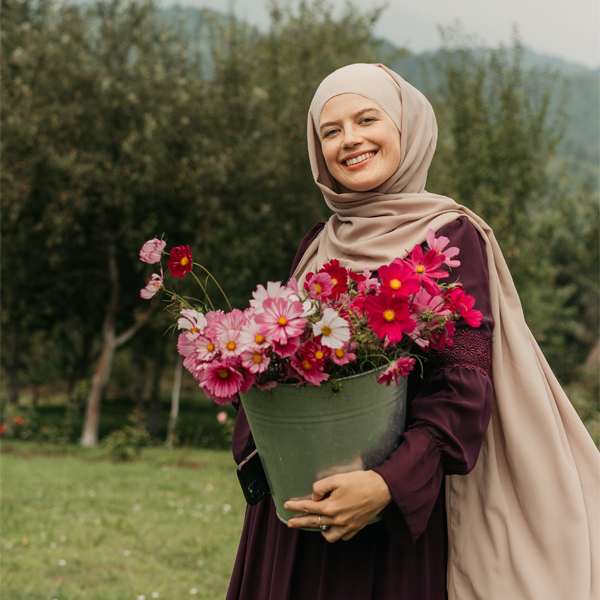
(346, 502)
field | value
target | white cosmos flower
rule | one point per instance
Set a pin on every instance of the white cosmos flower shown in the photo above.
(273, 291)
(191, 319)
(334, 330)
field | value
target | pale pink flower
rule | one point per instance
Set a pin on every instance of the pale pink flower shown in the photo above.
(332, 328)
(229, 344)
(311, 372)
(286, 349)
(222, 417)
(273, 291)
(281, 319)
(185, 344)
(206, 349)
(255, 360)
(438, 245)
(231, 321)
(152, 286)
(213, 318)
(399, 368)
(191, 320)
(152, 251)
(252, 333)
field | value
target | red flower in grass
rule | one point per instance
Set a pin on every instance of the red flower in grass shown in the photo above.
(180, 261)
(3, 427)
(389, 316)
(18, 420)
(464, 304)
(339, 277)
(425, 267)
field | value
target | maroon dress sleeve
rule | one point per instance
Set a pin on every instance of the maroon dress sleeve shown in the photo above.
(449, 414)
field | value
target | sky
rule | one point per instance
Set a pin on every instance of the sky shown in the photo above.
(569, 30)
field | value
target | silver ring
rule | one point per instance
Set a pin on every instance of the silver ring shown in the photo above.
(322, 525)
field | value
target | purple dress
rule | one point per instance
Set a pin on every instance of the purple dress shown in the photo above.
(403, 556)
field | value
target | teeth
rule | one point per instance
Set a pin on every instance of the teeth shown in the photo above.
(359, 159)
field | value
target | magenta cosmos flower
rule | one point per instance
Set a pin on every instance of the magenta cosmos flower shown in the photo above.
(463, 303)
(438, 245)
(180, 261)
(152, 251)
(222, 381)
(319, 286)
(389, 316)
(399, 278)
(426, 268)
(281, 319)
(399, 368)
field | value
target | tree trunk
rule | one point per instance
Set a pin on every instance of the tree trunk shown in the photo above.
(155, 404)
(140, 379)
(175, 395)
(110, 342)
(13, 364)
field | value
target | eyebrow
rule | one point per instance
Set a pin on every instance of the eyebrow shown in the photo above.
(355, 115)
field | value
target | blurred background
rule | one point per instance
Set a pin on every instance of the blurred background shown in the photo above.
(125, 120)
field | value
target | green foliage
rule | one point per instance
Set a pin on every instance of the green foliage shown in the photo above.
(127, 442)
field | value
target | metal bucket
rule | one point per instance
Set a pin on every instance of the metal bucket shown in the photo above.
(304, 434)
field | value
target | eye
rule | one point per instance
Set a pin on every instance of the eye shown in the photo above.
(329, 133)
(368, 120)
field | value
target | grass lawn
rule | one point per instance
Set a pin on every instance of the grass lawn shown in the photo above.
(77, 525)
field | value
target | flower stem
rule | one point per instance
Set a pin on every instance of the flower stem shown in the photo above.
(216, 283)
(203, 288)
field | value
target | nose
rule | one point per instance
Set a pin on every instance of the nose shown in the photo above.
(352, 137)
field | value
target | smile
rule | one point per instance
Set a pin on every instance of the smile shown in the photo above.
(358, 159)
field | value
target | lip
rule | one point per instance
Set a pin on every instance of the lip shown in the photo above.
(360, 164)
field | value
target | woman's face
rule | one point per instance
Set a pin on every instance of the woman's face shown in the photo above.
(360, 142)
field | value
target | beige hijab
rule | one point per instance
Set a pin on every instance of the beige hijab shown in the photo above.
(524, 524)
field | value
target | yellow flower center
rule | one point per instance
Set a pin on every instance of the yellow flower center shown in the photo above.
(156, 284)
(420, 269)
(306, 365)
(193, 330)
(318, 288)
(334, 280)
(184, 261)
(339, 353)
(223, 373)
(282, 321)
(395, 284)
(319, 355)
(389, 315)
(210, 347)
(257, 358)
(326, 331)
(230, 345)
(259, 339)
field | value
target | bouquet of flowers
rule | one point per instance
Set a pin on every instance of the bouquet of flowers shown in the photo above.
(338, 323)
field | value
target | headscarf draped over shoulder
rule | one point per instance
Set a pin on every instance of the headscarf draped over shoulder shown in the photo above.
(524, 523)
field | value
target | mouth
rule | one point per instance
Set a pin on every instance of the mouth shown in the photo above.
(357, 159)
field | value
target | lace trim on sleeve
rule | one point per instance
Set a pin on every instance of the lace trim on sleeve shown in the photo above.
(471, 349)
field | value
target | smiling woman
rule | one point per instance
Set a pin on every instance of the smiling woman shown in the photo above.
(360, 142)
(492, 492)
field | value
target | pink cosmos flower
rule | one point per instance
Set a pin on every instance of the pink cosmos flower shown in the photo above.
(464, 304)
(315, 352)
(152, 286)
(231, 321)
(255, 359)
(191, 320)
(288, 348)
(342, 356)
(206, 349)
(281, 319)
(221, 381)
(152, 250)
(425, 267)
(180, 261)
(389, 316)
(399, 368)
(222, 417)
(438, 245)
(311, 372)
(334, 330)
(399, 278)
(228, 343)
(365, 281)
(252, 333)
(274, 290)
(318, 286)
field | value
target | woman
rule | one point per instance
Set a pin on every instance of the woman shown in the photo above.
(470, 511)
